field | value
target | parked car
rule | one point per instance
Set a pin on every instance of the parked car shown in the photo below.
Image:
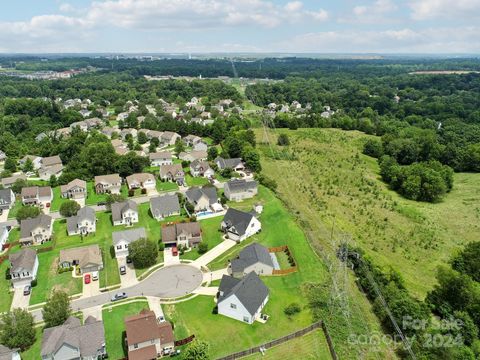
(123, 270)
(101, 203)
(174, 251)
(27, 290)
(161, 318)
(95, 275)
(87, 278)
(119, 296)
(129, 261)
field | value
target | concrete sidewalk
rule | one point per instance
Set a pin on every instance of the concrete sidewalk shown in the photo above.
(211, 255)
(154, 305)
(210, 291)
(214, 275)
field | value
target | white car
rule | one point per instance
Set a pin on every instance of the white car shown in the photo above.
(95, 275)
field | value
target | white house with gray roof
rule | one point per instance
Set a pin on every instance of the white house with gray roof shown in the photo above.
(83, 223)
(234, 163)
(125, 213)
(9, 354)
(202, 199)
(122, 239)
(72, 340)
(239, 225)
(240, 189)
(164, 206)
(4, 231)
(7, 199)
(23, 267)
(160, 158)
(253, 257)
(242, 299)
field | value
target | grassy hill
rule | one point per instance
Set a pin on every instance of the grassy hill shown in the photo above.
(330, 184)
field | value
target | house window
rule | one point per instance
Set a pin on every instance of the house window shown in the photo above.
(233, 306)
(119, 247)
(126, 246)
(135, 346)
(246, 319)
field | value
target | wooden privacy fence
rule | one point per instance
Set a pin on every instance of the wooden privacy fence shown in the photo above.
(268, 345)
(184, 341)
(278, 248)
(285, 271)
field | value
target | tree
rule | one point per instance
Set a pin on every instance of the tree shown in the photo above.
(26, 212)
(179, 146)
(69, 208)
(197, 350)
(292, 309)
(283, 140)
(143, 253)
(202, 248)
(10, 164)
(57, 309)
(28, 166)
(233, 146)
(251, 158)
(113, 198)
(373, 147)
(17, 329)
(18, 185)
(212, 153)
(141, 137)
(53, 182)
(468, 261)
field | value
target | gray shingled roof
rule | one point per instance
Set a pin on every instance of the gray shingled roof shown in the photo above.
(6, 353)
(6, 197)
(194, 194)
(250, 291)
(237, 221)
(22, 260)
(251, 254)
(85, 213)
(228, 163)
(87, 338)
(170, 233)
(27, 225)
(240, 185)
(129, 236)
(164, 205)
(119, 208)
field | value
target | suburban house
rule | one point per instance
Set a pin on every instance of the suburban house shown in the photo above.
(36, 161)
(164, 206)
(110, 184)
(125, 213)
(7, 182)
(186, 234)
(122, 239)
(128, 132)
(23, 267)
(242, 299)
(87, 258)
(75, 189)
(253, 257)
(169, 138)
(41, 196)
(83, 223)
(240, 225)
(36, 230)
(172, 172)
(201, 168)
(72, 340)
(193, 155)
(200, 146)
(239, 189)
(160, 158)
(51, 165)
(147, 338)
(141, 181)
(234, 164)
(9, 354)
(109, 131)
(191, 140)
(4, 231)
(3, 157)
(7, 199)
(203, 199)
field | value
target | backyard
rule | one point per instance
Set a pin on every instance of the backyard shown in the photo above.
(211, 235)
(113, 322)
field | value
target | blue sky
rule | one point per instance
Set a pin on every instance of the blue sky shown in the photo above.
(312, 26)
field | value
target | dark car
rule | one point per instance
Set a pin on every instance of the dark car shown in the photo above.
(123, 270)
(101, 203)
(129, 261)
(119, 296)
(27, 290)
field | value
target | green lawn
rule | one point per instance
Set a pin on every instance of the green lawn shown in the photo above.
(6, 298)
(113, 320)
(166, 186)
(57, 199)
(13, 211)
(211, 235)
(195, 180)
(278, 228)
(93, 198)
(33, 352)
(282, 260)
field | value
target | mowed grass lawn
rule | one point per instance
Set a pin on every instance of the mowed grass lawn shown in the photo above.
(166, 186)
(7, 296)
(93, 198)
(57, 199)
(33, 352)
(278, 228)
(312, 346)
(114, 325)
(211, 235)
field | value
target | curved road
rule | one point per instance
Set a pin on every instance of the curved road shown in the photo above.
(168, 282)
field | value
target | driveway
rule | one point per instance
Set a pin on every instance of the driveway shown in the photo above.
(130, 278)
(169, 259)
(167, 282)
(211, 255)
(20, 300)
(154, 305)
(4, 216)
(80, 201)
(91, 289)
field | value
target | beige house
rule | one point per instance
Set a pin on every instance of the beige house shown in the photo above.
(87, 258)
(141, 181)
(75, 189)
(36, 231)
(110, 184)
(40, 196)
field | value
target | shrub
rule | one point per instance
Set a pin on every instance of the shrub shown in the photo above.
(144, 191)
(161, 246)
(69, 208)
(27, 212)
(292, 309)
(131, 192)
(283, 140)
(202, 248)
(143, 253)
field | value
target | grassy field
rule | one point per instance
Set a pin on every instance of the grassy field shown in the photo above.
(331, 181)
(166, 186)
(113, 322)
(93, 198)
(195, 180)
(7, 296)
(312, 346)
(13, 211)
(57, 199)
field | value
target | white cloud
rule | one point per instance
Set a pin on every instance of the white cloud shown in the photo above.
(375, 12)
(432, 40)
(453, 9)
